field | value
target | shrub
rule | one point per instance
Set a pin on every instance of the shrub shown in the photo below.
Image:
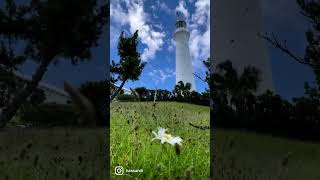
(50, 115)
(126, 97)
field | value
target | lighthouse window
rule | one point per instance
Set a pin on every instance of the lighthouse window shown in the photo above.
(181, 24)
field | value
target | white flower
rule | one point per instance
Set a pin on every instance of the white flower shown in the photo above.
(164, 137)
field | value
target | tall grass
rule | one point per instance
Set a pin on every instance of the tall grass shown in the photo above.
(55, 153)
(251, 156)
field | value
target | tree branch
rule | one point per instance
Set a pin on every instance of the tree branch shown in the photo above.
(196, 75)
(272, 39)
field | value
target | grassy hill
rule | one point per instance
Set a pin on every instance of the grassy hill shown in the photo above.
(131, 129)
(55, 153)
(251, 156)
(238, 154)
(79, 153)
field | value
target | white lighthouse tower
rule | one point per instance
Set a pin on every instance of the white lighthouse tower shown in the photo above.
(184, 71)
(236, 25)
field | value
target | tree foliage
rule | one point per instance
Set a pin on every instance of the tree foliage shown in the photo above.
(268, 112)
(182, 91)
(231, 87)
(130, 66)
(51, 30)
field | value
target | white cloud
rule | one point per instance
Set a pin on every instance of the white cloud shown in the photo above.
(182, 8)
(152, 73)
(161, 75)
(200, 33)
(153, 7)
(162, 6)
(168, 73)
(114, 36)
(131, 13)
(159, 26)
(117, 13)
(155, 16)
(171, 45)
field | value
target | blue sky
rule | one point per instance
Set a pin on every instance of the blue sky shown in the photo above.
(280, 16)
(284, 19)
(155, 21)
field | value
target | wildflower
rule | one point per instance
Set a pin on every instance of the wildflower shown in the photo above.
(164, 137)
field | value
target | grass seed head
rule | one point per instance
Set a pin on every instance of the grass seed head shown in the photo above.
(136, 127)
(177, 148)
(189, 173)
(80, 159)
(286, 158)
(160, 167)
(29, 145)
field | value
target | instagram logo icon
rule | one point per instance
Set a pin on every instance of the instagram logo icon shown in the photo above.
(118, 170)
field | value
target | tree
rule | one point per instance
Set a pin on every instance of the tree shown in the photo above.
(9, 62)
(208, 70)
(163, 95)
(272, 113)
(233, 95)
(143, 93)
(52, 30)
(181, 90)
(227, 81)
(37, 98)
(8, 85)
(130, 66)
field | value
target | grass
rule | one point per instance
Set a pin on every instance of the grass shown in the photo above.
(79, 153)
(250, 156)
(239, 155)
(131, 129)
(55, 153)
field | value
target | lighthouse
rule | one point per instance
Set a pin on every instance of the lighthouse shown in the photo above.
(181, 36)
(235, 38)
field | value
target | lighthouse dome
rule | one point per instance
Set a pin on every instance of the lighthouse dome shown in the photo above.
(180, 16)
(181, 20)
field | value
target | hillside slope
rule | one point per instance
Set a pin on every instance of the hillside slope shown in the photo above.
(132, 124)
(251, 156)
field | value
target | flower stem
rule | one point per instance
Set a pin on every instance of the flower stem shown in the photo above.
(169, 162)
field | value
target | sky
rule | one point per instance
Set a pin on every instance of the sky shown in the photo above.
(157, 18)
(284, 19)
(155, 21)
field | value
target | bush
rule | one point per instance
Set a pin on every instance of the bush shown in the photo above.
(126, 97)
(269, 113)
(50, 115)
